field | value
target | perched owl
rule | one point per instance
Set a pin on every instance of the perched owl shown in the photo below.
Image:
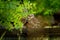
(34, 24)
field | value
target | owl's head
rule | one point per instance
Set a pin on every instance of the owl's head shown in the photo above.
(30, 16)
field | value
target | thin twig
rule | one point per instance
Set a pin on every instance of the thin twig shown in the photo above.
(2, 35)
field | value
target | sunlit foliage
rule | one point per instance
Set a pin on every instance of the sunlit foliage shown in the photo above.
(11, 11)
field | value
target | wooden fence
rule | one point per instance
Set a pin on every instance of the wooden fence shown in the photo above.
(42, 34)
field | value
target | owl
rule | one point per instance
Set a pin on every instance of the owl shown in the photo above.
(34, 24)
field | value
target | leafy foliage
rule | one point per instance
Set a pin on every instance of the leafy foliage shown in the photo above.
(47, 6)
(11, 12)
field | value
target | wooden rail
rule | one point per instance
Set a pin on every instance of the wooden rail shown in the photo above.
(43, 31)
